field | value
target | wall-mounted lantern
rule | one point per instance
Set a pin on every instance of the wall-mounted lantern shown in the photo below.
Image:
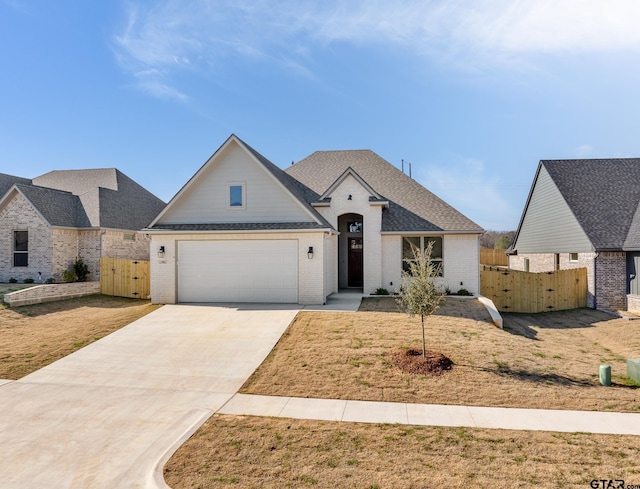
(349, 198)
(310, 252)
(161, 252)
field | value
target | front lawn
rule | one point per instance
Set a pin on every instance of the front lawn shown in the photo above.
(538, 361)
(546, 361)
(37, 335)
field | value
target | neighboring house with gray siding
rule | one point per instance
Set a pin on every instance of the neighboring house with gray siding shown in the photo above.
(244, 230)
(585, 214)
(48, 221)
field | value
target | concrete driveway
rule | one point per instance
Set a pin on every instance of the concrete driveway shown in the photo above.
(110, 414)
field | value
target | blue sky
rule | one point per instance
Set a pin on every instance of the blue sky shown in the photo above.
(472, 93)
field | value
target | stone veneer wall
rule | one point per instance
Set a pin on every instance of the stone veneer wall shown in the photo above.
(49, 293)
(611, 275)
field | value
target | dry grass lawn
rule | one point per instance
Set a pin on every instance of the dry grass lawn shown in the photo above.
(543, 361)
(548, 361)
(252, 452)
(34, 336)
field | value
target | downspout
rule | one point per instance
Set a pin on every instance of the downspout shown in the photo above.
(595, 281)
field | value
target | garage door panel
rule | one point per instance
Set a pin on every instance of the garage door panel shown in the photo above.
(238, 271)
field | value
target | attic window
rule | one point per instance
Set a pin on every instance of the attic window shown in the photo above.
(237, 196)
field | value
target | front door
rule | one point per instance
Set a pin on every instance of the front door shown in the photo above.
(355, 262)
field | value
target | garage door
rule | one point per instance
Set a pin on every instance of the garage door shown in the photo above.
(238, 271)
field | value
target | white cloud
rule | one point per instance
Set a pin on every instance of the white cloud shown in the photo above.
(197, 34)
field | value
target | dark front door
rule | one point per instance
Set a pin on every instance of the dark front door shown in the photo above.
(355, 262)
(633, 280)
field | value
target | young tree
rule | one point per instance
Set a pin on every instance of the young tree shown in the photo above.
(420, 294)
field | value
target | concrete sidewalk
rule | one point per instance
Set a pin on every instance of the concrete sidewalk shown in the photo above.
(434, 415)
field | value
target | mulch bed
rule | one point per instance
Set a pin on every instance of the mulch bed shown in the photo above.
(412, 361)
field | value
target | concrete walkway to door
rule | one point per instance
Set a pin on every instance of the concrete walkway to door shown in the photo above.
(105, 416)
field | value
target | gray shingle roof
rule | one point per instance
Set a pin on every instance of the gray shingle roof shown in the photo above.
(604, 196)
(7, 181)
(57, 207)
(104, 198)
(411, 206)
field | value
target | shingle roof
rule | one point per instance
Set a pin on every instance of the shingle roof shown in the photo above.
(8, 181)
(604, 196)
(57, 207)
(411, 206)
(104, 198)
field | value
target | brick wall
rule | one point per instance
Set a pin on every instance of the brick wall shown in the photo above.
(461, 254)
(19, 215)
(611, 276)
(372, 223)
(65, 251)
(49, 293)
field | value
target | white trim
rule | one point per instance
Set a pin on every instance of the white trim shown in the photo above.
(428, 233)
(237, 231)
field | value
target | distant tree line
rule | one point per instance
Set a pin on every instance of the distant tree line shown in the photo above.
(497, 239)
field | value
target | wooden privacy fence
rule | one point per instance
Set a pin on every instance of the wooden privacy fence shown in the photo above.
(490, 256)
(124, 278)
(515, 291)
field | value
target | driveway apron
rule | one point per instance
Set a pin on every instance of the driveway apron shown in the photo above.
(105, 416)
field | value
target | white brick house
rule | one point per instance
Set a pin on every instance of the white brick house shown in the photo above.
(585, 214)
(47, 222)
(243, 230)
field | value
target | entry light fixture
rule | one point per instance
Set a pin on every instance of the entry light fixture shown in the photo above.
(349, 198)
(161, 252)
(310, 252)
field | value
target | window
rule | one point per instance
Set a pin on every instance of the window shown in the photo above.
(573, 257)
(557, 261)
(421, 242)
(21, 248)
(129, 237)
(236, 196)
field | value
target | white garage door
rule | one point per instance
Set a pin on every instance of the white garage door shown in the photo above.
(238, 271)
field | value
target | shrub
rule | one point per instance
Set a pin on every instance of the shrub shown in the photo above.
(381, 291)
(464, 292)
(69, 275)
(13, 280)
(81, 270)
(50, 280)
(28, 280)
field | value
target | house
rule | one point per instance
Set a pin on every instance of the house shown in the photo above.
(48, 221)
(243, 230)
(585, 213)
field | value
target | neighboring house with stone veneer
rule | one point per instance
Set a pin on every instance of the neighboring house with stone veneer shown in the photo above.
(48, 221)
(243, 230)
(585, 214)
